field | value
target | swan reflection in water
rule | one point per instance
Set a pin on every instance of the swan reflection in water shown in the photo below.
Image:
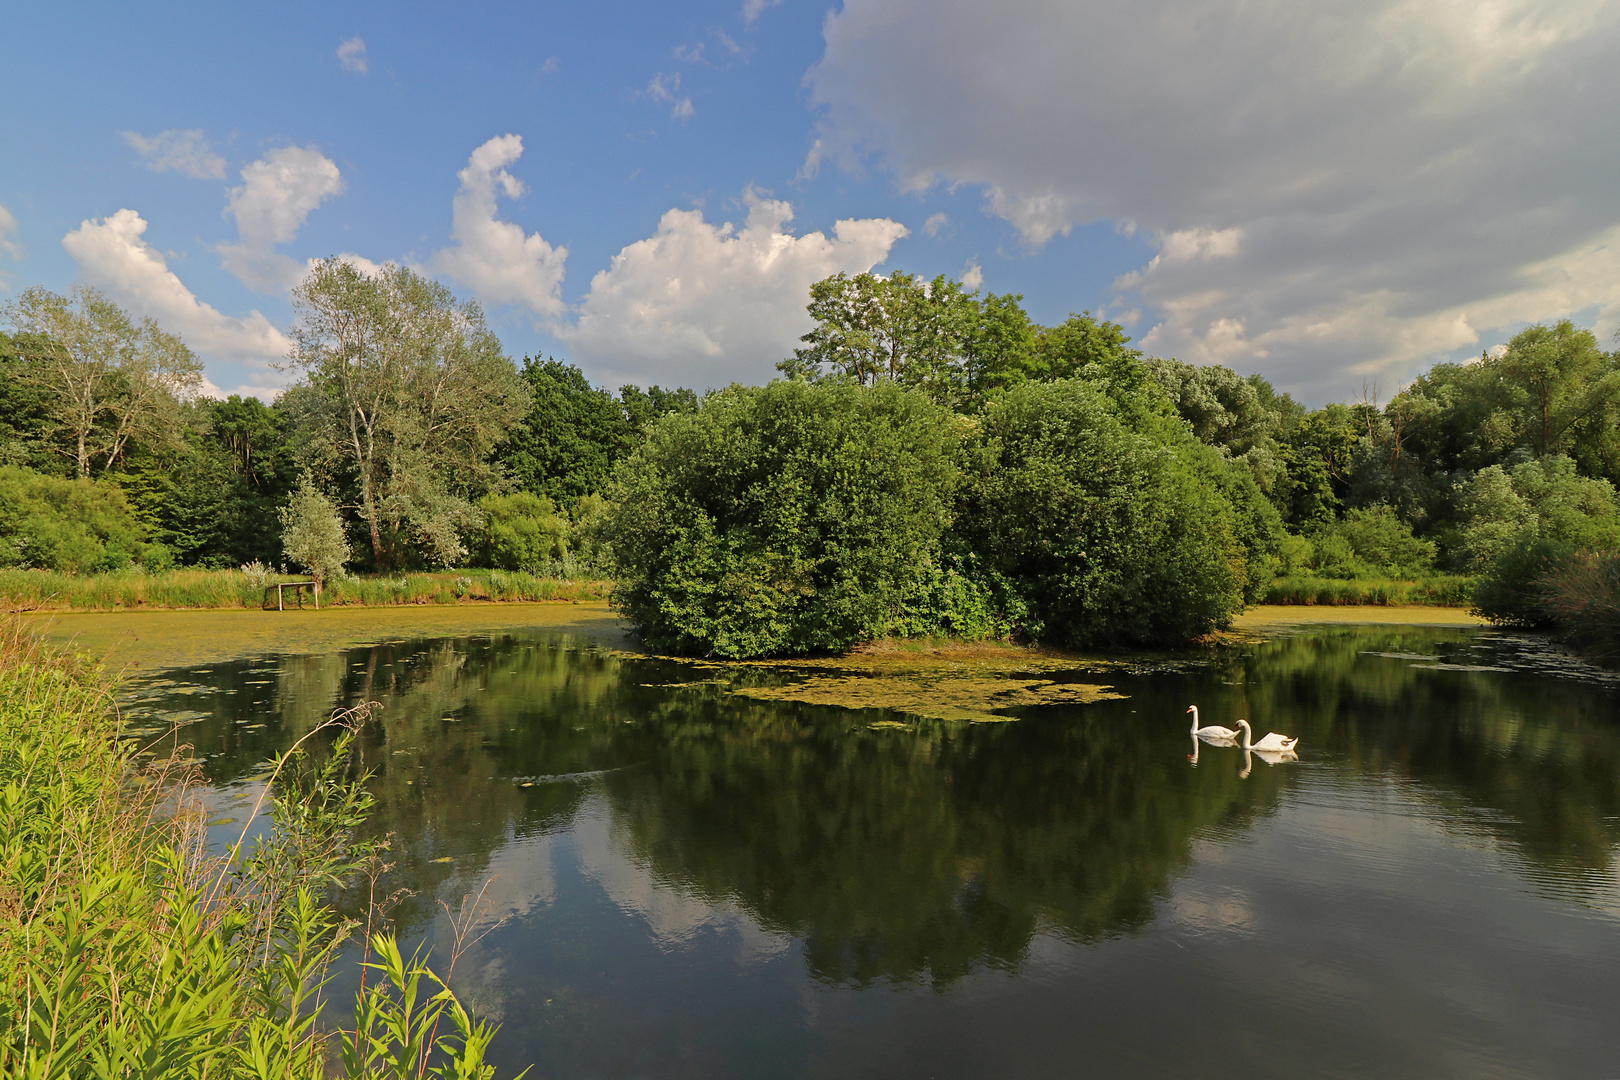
(1270, 757)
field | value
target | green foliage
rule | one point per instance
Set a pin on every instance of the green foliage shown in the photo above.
(1243, 418)
(522, 532)
(1083, 347)
(406, 391)
(1543, 499)
(788, 518)
(1550, 391)
(1372, 542)
(74, 526)
(1582, 594)
(29, 590)
(567, 444)
(25, 416)
(1444, 590)
(1512, 591)
(1105, 534)
(123, 954)
(102, 378)
(312, 532)
(933, 336)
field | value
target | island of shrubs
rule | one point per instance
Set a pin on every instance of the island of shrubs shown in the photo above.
(931, 462)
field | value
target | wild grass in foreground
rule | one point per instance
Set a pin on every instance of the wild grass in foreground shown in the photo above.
(129, 949)
(1441, 590)
(29, 590)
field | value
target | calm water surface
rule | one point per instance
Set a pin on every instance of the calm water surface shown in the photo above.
(698, 884)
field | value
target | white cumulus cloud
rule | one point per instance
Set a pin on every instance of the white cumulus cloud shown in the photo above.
(704, 304)
(278, 192)
(753, 9)
(114, 256)
(666, 90)
(187, 152)
(352, 55)
(496, 259)
(8, 229)
(1337, 188)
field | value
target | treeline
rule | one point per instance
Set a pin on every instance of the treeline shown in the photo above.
(407, 419)
(932, 461)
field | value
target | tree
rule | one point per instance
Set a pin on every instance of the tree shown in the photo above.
(1083, 346)
(1545, 499)
(789, 518)
(931, 335)
(408, 392)
(77, 526)
(312, 533)
(570, 439)
(1553, 379)
(1241, 417)
(1108, 526)
(104, 378)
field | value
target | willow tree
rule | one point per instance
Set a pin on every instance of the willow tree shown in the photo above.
(406, 390)
(103, 378)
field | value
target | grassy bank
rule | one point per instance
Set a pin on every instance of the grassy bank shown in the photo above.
(1438, 591)
(129, 948)
(33, 590)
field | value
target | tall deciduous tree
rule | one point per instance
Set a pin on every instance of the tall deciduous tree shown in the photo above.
(932, 335)
(408, 390)
(104, 378)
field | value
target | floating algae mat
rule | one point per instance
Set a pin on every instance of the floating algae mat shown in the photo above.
(957, 681)
(940, 697)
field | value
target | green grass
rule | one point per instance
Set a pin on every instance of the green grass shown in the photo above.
(28, 590)
(1443, 590)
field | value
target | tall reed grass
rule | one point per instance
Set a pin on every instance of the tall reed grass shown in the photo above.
(29, 590)
(1582, 597)
(129, 948)
(1443, 591)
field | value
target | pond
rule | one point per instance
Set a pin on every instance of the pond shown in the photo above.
(685, 881)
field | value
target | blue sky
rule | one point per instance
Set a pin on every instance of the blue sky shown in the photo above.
(1328, 196)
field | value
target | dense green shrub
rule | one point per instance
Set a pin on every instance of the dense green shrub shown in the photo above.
(1105, 534)
(1545, 499)
(1370, 542)
(522, 531)
(77, 526)
(1513, 590)
(788, 518)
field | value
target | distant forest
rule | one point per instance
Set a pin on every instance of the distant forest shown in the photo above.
(437, 450)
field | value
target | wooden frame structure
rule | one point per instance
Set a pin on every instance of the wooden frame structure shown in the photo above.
(299, 588)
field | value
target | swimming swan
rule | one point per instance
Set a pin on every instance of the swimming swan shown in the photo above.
(1213, 733)
(1272, 743)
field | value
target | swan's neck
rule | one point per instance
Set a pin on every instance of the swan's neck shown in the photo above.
(1195, 719)
(1247, 735)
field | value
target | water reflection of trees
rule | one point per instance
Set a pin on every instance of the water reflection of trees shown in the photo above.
(919, 853)
(1539, 756)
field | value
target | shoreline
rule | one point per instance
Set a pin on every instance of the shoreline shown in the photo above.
(176, 637)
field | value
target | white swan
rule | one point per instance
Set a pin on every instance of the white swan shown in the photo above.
(1213, 733)
(1272, 743)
